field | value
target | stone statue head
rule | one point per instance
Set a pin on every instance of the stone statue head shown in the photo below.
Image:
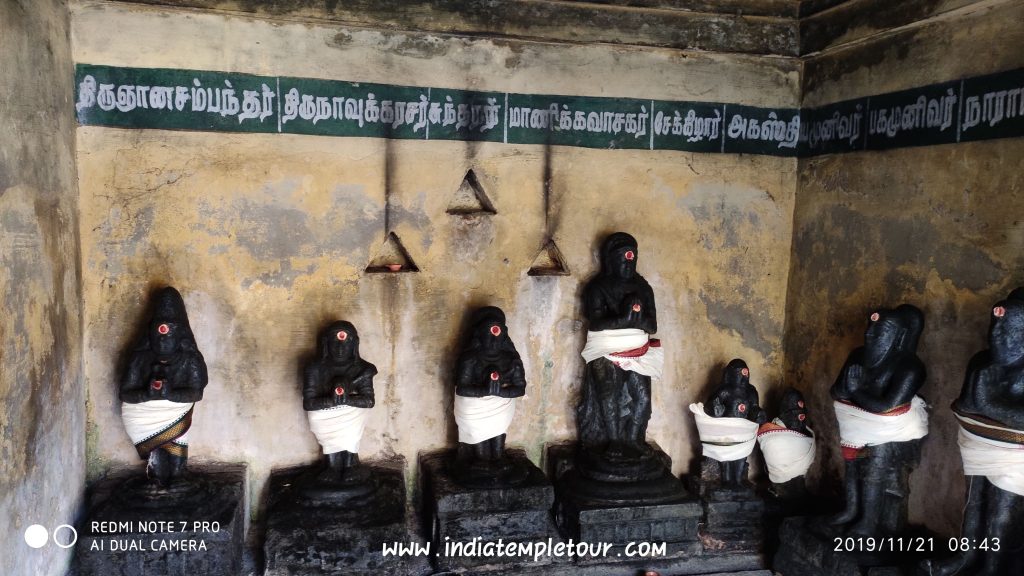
(169, 331)
(489, 331)
(736, 374)
(619, 255)
(338, 342)
(793, 410)
(1006, 333)
(892, 333)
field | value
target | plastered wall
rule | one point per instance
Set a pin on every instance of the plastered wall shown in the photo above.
(42, 397)
(267, 236)
(939, 227)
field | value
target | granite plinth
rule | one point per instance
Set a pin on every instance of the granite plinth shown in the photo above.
(809, 546)
(734, 515)
(671, 518)
(465, 518)
(194, 527)
(306, 537)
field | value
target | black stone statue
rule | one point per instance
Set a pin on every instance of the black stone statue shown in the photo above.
(735, 398)
(166, 376)
(793, 411)
(337, 393)
(489, 377)
(613, 462)
(787, 444)
(616, 402)
(990, 410)
(881, 421)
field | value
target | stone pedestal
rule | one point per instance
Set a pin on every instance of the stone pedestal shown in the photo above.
(672, 519)
(307, 537)
(733, 516)
(807, 547)
(464, 519)
(195, 527)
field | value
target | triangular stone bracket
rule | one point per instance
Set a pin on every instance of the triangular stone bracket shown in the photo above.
(391, 258)
(470, 199)
(549, 262)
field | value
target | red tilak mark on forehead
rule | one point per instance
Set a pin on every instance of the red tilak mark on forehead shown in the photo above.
(999, 311)
(496, 330)
(630, 255)
(163, 328)
(745, 371)
(342, 335)
(875, 317)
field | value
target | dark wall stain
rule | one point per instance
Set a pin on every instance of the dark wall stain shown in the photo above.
(744, 315)
(869, 16)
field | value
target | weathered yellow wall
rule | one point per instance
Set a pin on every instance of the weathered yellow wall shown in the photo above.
(42, 397)
(267, 235)
(939, 227)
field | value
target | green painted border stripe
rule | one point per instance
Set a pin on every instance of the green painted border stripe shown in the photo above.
(978, 108)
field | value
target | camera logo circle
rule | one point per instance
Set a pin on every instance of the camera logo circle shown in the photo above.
(36, 536)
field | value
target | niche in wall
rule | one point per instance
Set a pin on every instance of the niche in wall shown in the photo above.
(391, 257)
(470, 199)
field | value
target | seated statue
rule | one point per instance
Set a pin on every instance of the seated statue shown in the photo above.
(990, 411)
(489, 377)
(165, 378)
(787, 443)
(337, 394)
(728, 423)
(881, 417)
(615, 403)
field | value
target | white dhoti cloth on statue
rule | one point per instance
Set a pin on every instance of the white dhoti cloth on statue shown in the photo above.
(788, 453)
(157, 423)
(628, 348)
(724, 439)
(339, 428)
(1001, 462)
(859, 428)
(483, 418)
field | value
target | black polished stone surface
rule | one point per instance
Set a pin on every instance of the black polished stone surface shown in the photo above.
(134, 528)
(458, 513)
(306, 537)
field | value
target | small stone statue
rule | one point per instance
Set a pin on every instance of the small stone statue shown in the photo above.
(337, 394)
(880, 420)
(165, 378)
(787, 443)
(990, 411)
(489, 377)
(615, 404)
(728, 423)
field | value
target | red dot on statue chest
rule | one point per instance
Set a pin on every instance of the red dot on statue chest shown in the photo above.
(742, 408)
(495, 376)
(158, 384)
(339, 391)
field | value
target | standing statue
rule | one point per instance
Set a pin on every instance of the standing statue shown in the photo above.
(621, 357)
(489, 377)
(337, 394)
(990, 411)
(880, 420)
(165, 378)
(787, 443)
(728, 424)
